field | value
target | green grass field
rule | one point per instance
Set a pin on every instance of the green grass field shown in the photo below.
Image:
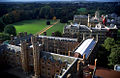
(58, 27)
(31, 26)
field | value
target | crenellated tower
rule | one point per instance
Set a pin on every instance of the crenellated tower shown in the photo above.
(24, 56)
(37, 48)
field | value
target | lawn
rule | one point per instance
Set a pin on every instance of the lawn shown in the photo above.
(58, 27)
(31, 26)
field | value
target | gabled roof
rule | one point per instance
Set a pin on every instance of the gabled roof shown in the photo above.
(86, 47)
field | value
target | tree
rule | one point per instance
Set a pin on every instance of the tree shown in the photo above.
(109, 43)
(9, 29)
(114, 57)
(48, 22)
(4, 37)
(64, 19)
(54, 18)
(58, 34)
(8, 18)
(46, 12)
(102, 56)
(2, 25)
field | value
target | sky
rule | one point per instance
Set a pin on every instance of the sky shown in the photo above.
(57, 0)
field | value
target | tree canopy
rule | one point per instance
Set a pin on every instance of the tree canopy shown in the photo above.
(109, 43)
(47, 12)
(10, 29)
(58, 34)
(109, 53)
(4, 37)
(2, 25)
(114, 57)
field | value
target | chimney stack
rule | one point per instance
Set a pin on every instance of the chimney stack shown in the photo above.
(12, 37)
(69, 53)
(88, 20)
(84, 56)
(78, 66)
(25, 33)
(95, 62)
(19, 35)
(97, 37)
(83, 36)
(69, 76)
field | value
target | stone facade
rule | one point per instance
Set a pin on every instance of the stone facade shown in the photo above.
(45, 57)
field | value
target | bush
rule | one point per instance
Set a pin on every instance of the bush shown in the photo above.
(9, 29)
(58, 34)
(48, 22)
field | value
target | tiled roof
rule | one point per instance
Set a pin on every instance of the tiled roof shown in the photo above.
(105, 73)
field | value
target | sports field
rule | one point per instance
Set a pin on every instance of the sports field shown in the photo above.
(31, 26)
(57, 27)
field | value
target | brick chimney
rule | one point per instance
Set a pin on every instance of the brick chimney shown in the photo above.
(83, 36)
(95, 62)
(58, 51)
(78, 66)
(84, 56)
(69, 76)
(12, 37)
(19, 35)
(97, 37)
(25, 33)
(69, 53)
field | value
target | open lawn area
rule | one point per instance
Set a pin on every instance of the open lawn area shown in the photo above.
(57, 27)
(31, 26)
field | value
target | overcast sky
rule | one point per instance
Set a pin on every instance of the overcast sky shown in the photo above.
(55, 0)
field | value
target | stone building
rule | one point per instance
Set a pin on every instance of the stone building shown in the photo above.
(36, 58)
(58, 45)
(82, 19)
(88, 20)
(84, 31)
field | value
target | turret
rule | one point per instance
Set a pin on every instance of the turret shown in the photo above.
(36, 57)
(24, 56)
(88, 19)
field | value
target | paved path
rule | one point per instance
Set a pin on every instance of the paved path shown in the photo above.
(46, 28)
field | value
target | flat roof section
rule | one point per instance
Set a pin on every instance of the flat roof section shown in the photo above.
(86, 47)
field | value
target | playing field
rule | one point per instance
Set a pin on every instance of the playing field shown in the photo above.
(31, 26)
(58, 27)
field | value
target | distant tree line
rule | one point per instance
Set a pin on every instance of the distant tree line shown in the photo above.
(11, 13)
(14, 12)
